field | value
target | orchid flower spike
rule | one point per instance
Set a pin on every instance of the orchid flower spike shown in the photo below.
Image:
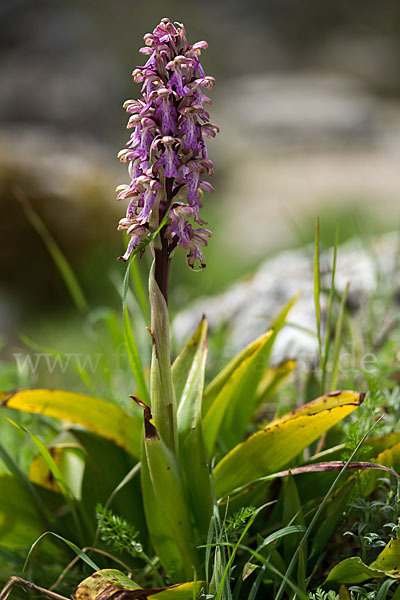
(166, 153)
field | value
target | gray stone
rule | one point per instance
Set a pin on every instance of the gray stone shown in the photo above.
(249, 307)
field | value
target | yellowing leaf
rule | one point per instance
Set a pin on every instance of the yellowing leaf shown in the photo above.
(272, 378)
(281, 440)
(108, 583)
(104, 418)
(69, 459)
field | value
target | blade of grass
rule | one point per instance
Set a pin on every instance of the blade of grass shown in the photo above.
(265, 564)
(58, 257)
(317, 288)
(235, 549)
(140, 293)
(134, 358)
(329, 318)
(130, 475)
(338, 339)
(73, 547)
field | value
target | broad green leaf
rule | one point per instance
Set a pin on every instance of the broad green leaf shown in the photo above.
(101, 417)
(192, 452)
(168, 487)
(109, 583)
(280, 321)
(162, 538)
(281, 440)
(184, 361)
(272, 378)
(243, 401)
(216, 385)
(20, 520)
(162, 393)
(171, 501)
(354, 570)
(389, 559)
(237, 393)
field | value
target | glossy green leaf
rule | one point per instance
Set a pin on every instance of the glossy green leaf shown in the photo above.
(281, 440)
(168, 487)
(353, 570)
(192, 452)
(101, 417)
(237, 393)
(162, 538)
(243, 401)
(183, 363)
(169, 495)
(216, 385)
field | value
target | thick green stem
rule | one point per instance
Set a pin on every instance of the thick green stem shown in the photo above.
(162, 258)
(162, 394)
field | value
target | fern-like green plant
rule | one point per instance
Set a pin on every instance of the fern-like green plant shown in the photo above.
(117, 533)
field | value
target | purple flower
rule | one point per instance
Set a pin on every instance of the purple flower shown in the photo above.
(166, 153)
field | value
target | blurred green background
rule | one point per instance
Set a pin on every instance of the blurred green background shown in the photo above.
(307, 99)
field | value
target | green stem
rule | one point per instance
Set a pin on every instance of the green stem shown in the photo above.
(162, 258)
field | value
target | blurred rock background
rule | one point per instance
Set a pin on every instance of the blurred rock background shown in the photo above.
(308, 104)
